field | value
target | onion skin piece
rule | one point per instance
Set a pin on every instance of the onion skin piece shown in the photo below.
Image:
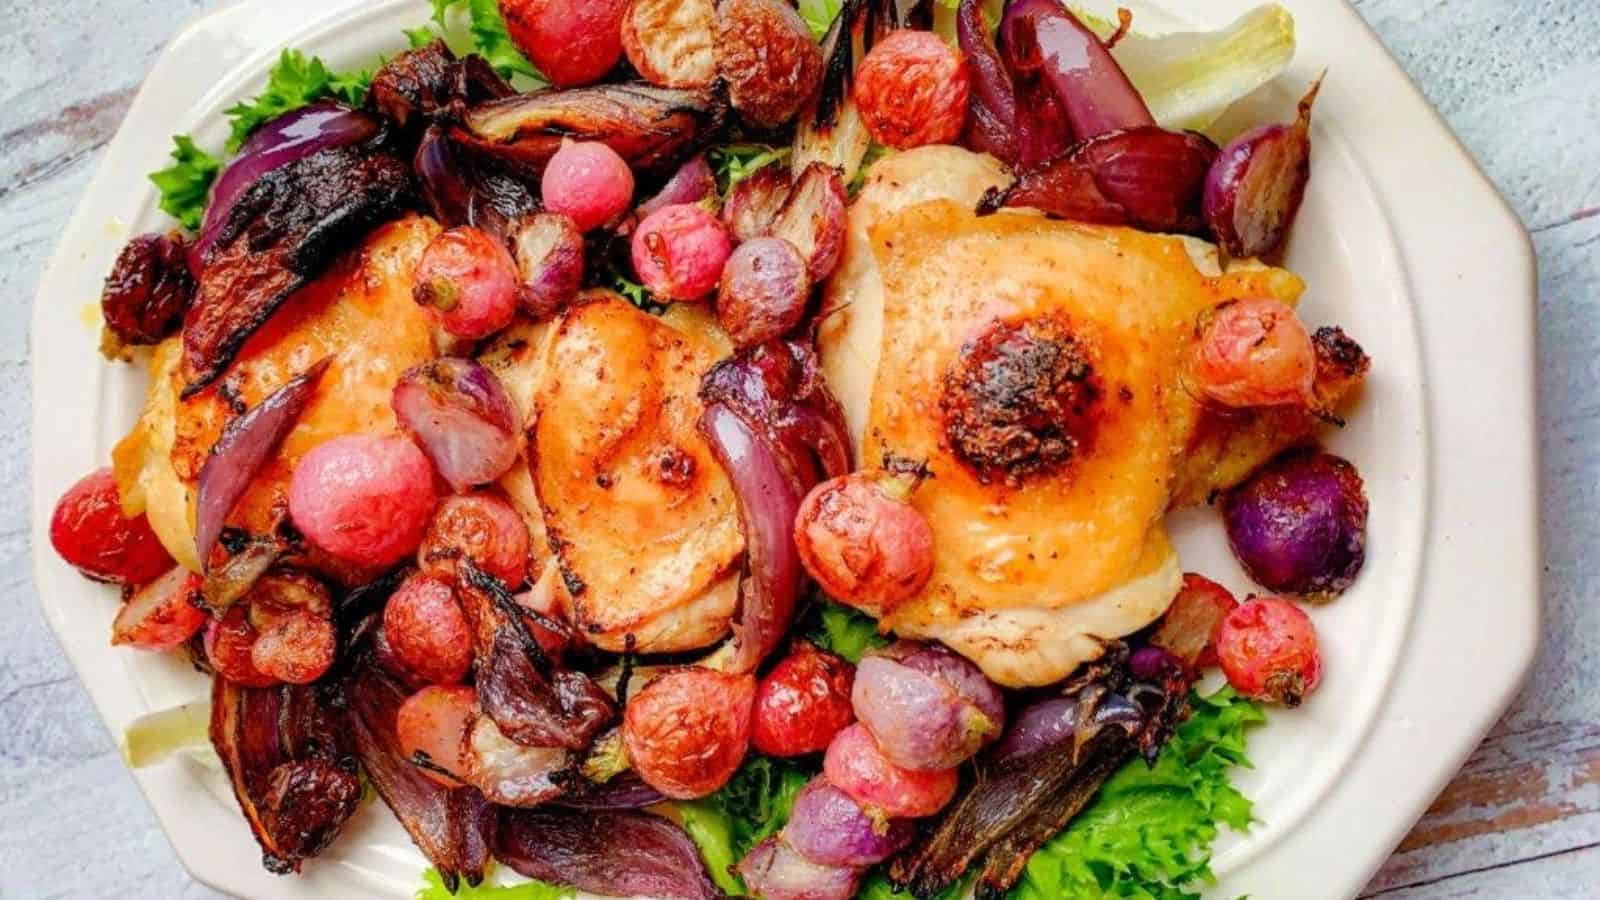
(626, 790)
(460, 190)
(1254, 189)
(459, 413)
(1046, 39)
(616, 853)
(1147, 178)
(776, 871)
(533, 702)
(653, 129)
(245, 446)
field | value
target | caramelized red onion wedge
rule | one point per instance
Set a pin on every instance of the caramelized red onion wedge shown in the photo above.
(625, 790)
(771, 423)
(461, 416)
(992, 117)
(1147, 177)
(245, 446)
(230, 580)
(610, 852)
(453, 827)
(292, 136)
(652, 128)
(290, 767)
(1046, 39)
(460, 190)
(1254, 188)
(769, 497)
(510, 774)
(534, 703)
(776, 871)
(828, 827)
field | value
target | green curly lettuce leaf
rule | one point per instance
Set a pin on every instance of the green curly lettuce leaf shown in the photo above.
(819, 15)
(1148, 834)
(185, 184)
(296, 80)
(750, 808)
(490, 37)
(433, 889)
(733, 163)
(846, 632)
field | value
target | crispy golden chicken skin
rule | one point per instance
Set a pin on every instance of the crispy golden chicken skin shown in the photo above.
(1036, 367)
(360, 312)
(640, 516)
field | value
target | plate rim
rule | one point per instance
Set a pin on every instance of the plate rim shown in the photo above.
(1289, 860)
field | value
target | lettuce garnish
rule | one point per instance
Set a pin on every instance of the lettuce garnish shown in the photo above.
(433, 889)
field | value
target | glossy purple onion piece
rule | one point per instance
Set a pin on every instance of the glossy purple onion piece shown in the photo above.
(1043, 38)
(826, 826)
(245, 446)
(992, 116)
(1044, 725)
(292, 136)
(692, 183)
(1147, 178)
(625, 790)
(769, 499)
(1299, 526)
(1254, 189)
(772, 425)
(919, 721)
(460, 190)
(776, 871)
(1153, 664)
(461, 417)
(616, 853)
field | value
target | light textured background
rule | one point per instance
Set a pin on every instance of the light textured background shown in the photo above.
(1519, 80)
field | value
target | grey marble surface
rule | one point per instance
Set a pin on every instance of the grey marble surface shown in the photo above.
(1519, 81)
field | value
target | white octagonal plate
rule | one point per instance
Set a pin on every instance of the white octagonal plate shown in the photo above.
(1403, 242)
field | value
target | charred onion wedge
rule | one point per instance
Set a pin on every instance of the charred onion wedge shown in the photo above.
(290, 765)
(653, 128)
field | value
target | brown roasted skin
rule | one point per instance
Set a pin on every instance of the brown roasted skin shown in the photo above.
(282, 233)
(291, 765)
(361, 314)
(639, 514)
(652, 128)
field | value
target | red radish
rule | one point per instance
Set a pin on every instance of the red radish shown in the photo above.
(90, 532)
(162, 614)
